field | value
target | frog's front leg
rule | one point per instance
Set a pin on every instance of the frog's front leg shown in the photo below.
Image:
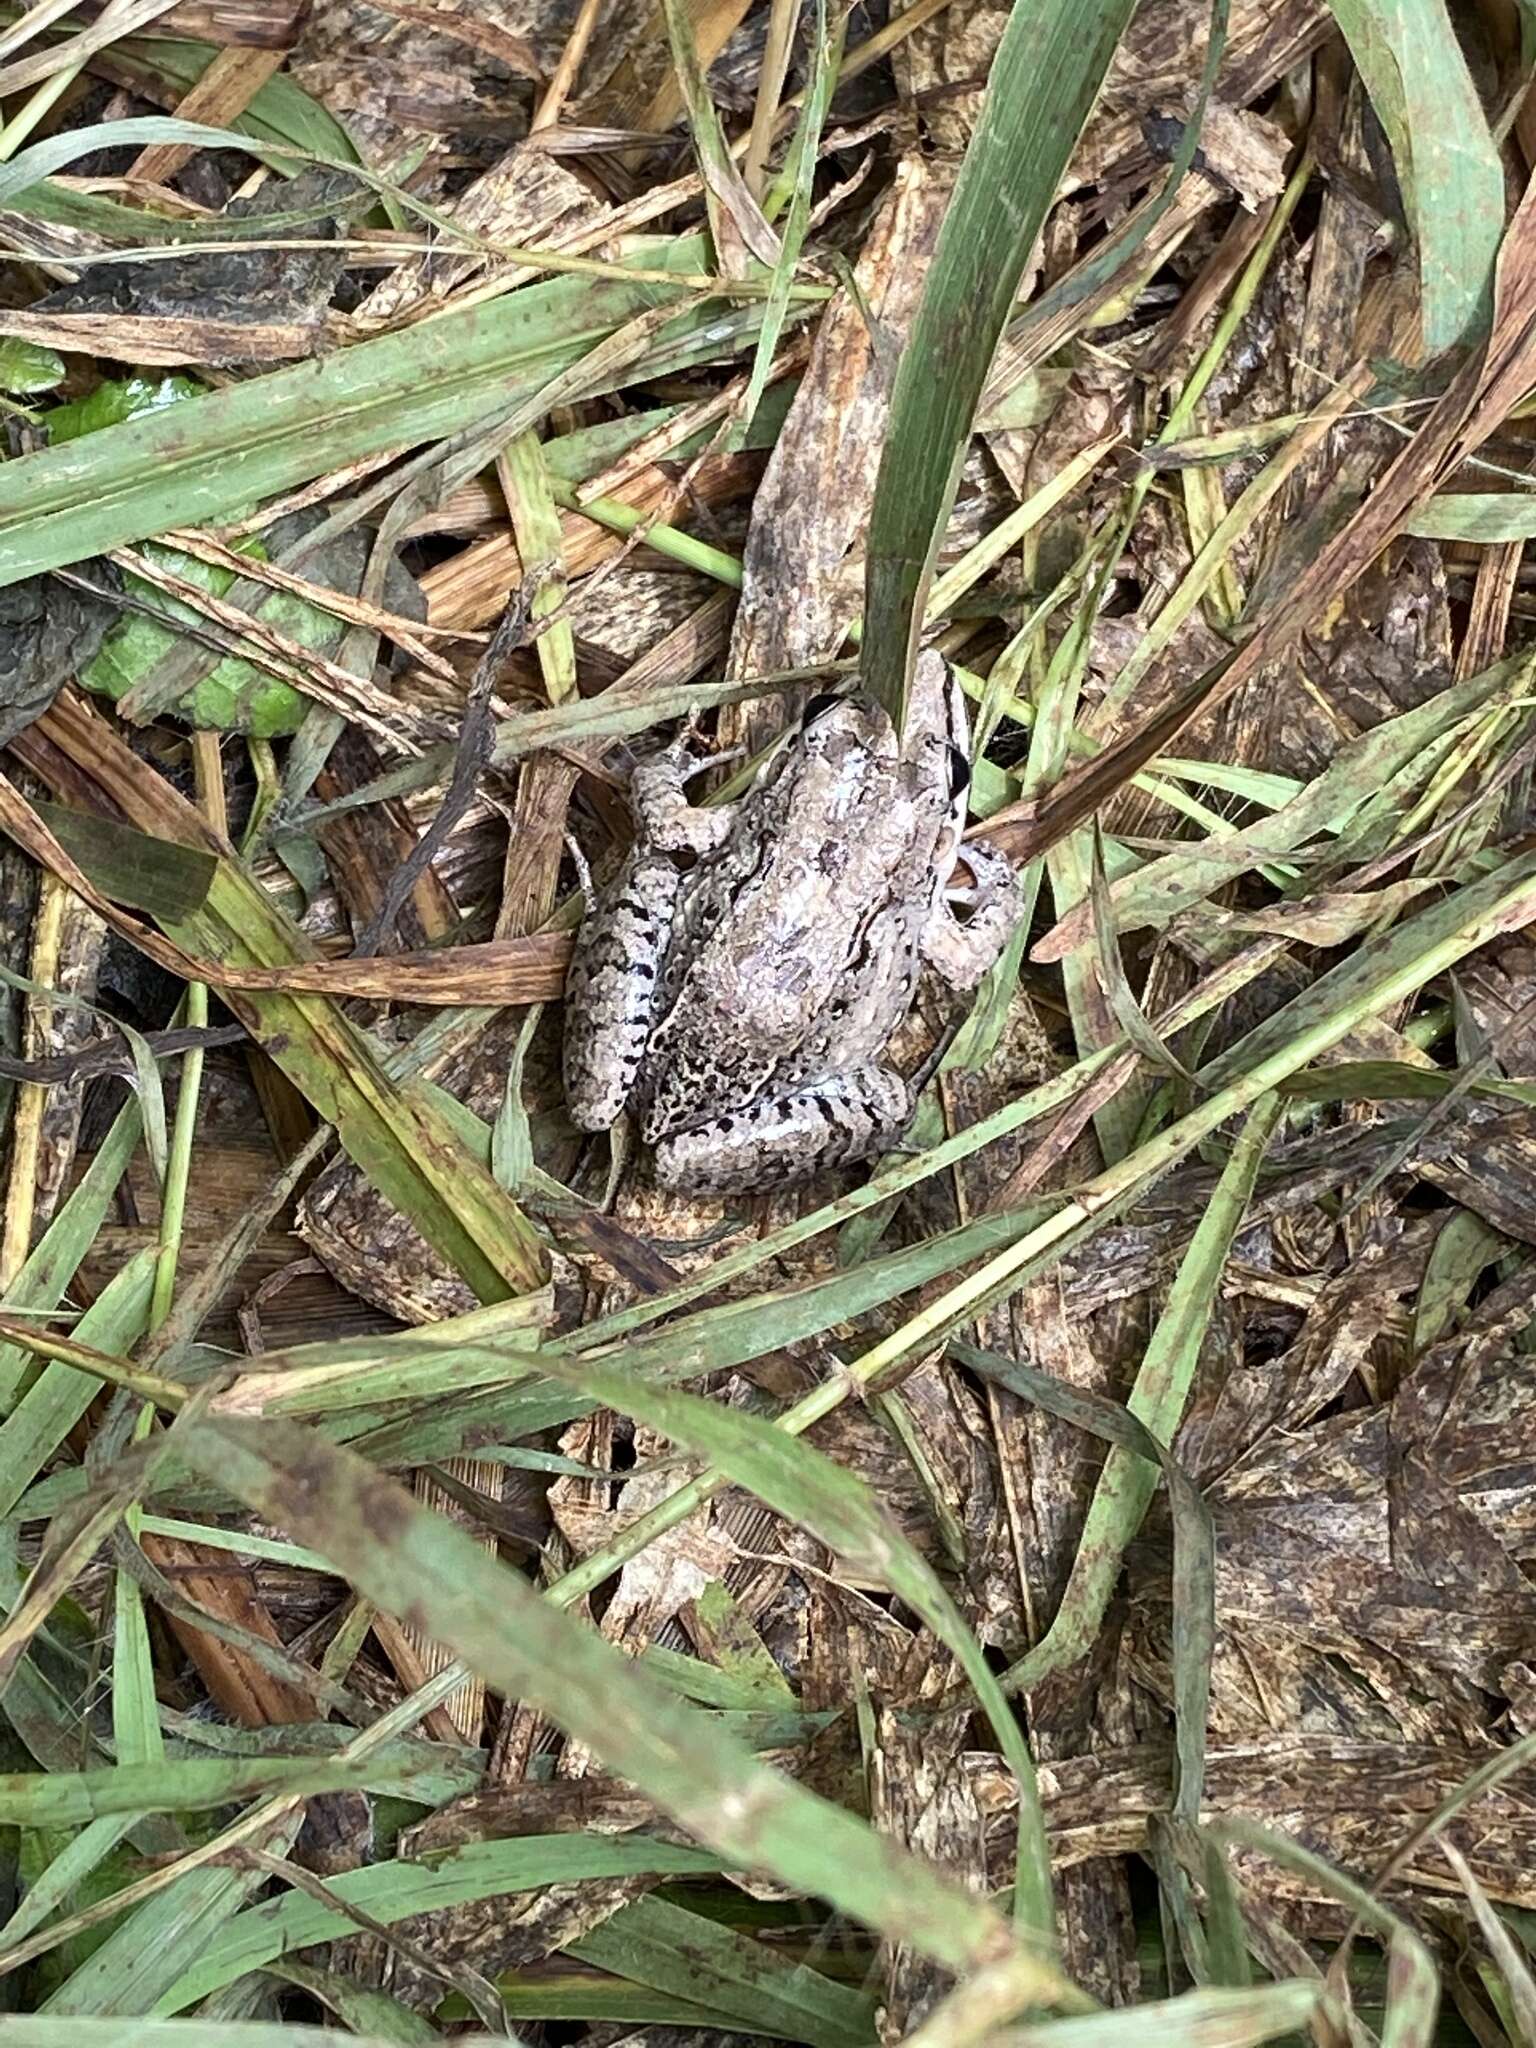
(777, 1141)
(664, 817)
(612, 983)
(962, 953)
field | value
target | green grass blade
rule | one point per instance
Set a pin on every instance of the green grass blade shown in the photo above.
(212, 457)
(158, 1941)
(1158, 892)
(396, 1890)
(1448, 168)
(1482, 517)
(69, 1799)
(1196, 2019)
(280, 111)
(60, 1395)
(666, 1948)
(19, 2031)
(1047, 72)
(55, 1258)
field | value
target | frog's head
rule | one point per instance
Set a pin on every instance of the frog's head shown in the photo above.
(831, 722)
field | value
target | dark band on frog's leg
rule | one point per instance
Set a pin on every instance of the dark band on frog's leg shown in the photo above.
(779, 1140)
(611, 989)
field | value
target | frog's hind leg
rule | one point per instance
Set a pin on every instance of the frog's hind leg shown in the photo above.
(611, 987)
(659, 798)
(962, 953)
(779, 1140)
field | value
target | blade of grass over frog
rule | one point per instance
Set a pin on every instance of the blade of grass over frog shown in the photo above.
(1413, 1985)
(666, 1948)
(576, 724)
(839, 1508)
(212, 457)
(1044, 78)
(60, 1395)
(1157, 893)
(1157, 1400)
(1447, 165)
(439, 1579)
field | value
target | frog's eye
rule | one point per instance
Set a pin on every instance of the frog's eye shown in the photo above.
(818, 706)
(959, 772)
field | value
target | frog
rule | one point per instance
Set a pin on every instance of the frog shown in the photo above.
(736, 985)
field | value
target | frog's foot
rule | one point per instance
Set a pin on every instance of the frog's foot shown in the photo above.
(611, 988)
(962, 953)
(780, 1140)
(658, 796)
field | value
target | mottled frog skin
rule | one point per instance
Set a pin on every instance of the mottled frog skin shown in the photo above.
(740, 1005)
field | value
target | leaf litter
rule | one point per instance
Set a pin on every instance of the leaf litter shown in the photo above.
(1074, 1579)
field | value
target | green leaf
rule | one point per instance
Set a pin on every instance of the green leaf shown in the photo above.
(113, 402)
(68, 1799)
(60, 1395)
(20, 2031)
(157, 875)
(25, 368)
(280, 111)
(235, 696)
(56, 1257)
